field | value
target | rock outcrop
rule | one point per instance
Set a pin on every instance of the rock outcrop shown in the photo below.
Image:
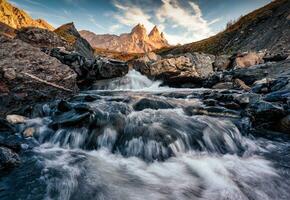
(70, 34)
(29, 76)
(90, 70)
(135, 42)
(17, 18)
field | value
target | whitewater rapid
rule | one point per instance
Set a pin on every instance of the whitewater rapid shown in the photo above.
(127, 152)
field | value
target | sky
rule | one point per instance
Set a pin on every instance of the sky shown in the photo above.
(182, 21)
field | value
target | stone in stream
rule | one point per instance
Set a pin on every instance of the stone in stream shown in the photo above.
(284, 124)
(16, 119)
(282, 95)
(146, 103)
(262, 111)
(71, 118)
(262, 86)
(8, 159)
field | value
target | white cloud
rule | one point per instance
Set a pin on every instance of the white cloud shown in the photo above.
(114, 28)
(94, 22)
(131, 15)
(171, 14)
(190, 19)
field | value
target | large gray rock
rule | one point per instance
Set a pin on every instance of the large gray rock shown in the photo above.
(178, 70)
(25, 72)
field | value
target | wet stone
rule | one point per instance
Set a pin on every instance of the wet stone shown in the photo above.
(155, 104)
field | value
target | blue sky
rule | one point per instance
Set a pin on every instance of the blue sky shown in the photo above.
(182, 21)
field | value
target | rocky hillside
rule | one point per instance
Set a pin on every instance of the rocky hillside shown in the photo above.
(138, 41)
(17, 18)
(7, 30)
(266, 28)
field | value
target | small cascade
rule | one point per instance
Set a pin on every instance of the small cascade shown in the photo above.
(132, 81)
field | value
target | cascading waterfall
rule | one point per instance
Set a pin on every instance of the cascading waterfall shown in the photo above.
(134, 80)
(108, 145)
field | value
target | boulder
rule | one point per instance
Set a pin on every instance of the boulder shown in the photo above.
(31, 76)
(154, 104)
(109, 68)
(247, 59)
(262, 86)
(16, 119)
(262, 111)
(179, 70)
(90, 70)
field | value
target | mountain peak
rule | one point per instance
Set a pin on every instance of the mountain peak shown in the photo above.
(139, 29)
(154, 32)
(17, 18)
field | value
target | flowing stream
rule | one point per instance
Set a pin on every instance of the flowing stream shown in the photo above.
(137, 142)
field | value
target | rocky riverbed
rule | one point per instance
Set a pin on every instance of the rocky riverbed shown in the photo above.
(133, 135)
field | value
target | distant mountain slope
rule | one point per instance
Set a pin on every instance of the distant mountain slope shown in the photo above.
(135, 42)
(69, 33)
(17, 18)
(265, 28)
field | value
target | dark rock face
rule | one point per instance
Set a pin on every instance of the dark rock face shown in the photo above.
(70, 34)
(88, 70)
(21, 68)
